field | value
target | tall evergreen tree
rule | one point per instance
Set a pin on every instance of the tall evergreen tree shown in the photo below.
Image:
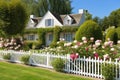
(40, 7)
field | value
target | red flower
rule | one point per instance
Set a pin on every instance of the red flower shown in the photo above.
(96, 55)
(87, 49)
(74, 56)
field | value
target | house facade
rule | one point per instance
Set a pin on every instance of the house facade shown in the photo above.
(50, 20)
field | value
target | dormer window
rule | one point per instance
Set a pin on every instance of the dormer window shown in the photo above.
(49, 22)
(67, 20)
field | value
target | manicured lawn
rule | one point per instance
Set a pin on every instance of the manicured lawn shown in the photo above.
(11, 71)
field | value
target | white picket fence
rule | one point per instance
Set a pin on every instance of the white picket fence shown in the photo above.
(80, 66)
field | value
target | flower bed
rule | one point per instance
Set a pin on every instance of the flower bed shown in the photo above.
(87, 47)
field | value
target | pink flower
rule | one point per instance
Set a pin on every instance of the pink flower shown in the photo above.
(74, 56)
(106, 56)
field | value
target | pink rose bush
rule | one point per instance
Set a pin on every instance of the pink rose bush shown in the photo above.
(11, 44)
(89, 48)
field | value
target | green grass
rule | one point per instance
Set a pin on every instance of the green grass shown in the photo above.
(11, 71)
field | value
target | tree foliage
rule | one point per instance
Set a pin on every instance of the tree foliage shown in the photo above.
(13, 16)
(89, 29)
(114, 18)
(88, 16)
(40, 7)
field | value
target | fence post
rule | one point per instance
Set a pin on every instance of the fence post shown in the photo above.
(68, 64)
(48, 58)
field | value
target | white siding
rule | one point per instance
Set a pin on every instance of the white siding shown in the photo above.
(48, 15)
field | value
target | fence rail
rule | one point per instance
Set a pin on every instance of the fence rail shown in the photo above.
(80, 66)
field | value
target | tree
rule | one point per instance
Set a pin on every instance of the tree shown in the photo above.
(88, 16)
(13, 16)
(40, 7)
(89, 29)
(96, 19)
(4, 20)
(32, 7)
(114, 18)
(105, 23)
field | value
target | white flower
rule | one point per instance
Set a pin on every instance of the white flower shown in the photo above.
(69, 44)
(75, 41)
(106, 43)
(62, 39)
(94, 46)
(85, 41)
(106, 56)
(15, 43)
(97, 44)
(118, 41)
(97, 41)
(112, 49)
(81, 43)
(94, 52)
(92, 38)
(84, 38)
(58, 42)
(76, 46)
(59, 47)
(108, 39)
(103, 47)
(1, 45)
(65, 44)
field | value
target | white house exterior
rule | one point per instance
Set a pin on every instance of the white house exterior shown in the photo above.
(50, 20)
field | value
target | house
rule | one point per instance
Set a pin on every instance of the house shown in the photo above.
(50, 20)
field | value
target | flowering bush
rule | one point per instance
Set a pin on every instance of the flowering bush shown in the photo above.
(87, 48)
(11, 44)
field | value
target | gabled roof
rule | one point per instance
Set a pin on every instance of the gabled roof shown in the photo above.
(76, 18)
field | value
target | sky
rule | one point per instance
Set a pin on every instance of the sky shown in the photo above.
(100, 8)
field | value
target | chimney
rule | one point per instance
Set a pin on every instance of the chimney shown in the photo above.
(81, 11)
(32, 16)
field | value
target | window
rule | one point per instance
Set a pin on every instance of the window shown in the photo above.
(31, 37)
(68, 37)
(49, 22)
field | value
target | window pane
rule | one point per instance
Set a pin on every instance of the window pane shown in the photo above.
(68, 37)
(31, 37)
(49, 22)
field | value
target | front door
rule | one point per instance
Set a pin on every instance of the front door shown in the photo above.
(49, 38)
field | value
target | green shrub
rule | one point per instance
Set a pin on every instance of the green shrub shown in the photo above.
(7, 56)
(112, 34)
(118, 32)
(108, 72)
(36, 45)
(89, 29)
(58, 64)
(25, 47)
(25, 59)
(53, 45)
(29, 44)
